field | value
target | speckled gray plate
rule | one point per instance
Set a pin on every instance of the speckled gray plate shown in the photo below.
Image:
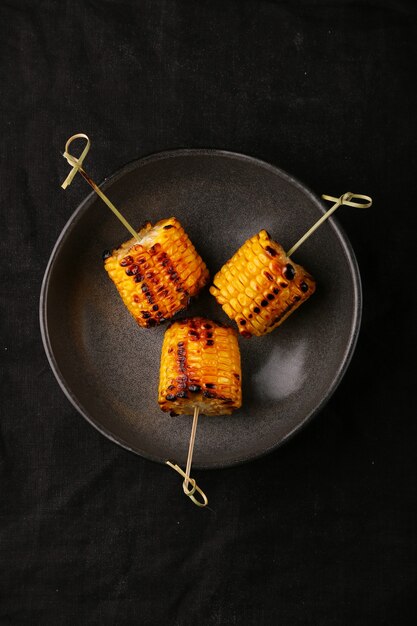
(108, 366)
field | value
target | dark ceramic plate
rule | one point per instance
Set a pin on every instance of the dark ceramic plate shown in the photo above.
(108, 366)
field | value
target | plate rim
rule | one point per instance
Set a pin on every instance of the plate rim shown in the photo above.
(181, 152)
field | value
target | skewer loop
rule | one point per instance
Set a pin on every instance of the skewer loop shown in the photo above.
(187, 479)
(76, 163)
(346, 199)
(190, 492)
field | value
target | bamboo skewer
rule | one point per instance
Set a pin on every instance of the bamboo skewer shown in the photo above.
(191, 449)
(348, 199)
(187, 479)
(77, 167)
(345, 199)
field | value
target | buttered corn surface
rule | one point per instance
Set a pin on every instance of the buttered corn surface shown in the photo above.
(200, 366)
(156, 277)
(259, 287)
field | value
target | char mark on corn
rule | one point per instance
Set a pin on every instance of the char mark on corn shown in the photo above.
(259, 287)
(157, 277)
(200, 366)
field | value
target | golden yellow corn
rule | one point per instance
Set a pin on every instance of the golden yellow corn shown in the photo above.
(259, 287)
(200, 366)
(157, 277)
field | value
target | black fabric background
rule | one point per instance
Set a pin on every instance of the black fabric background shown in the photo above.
(322, 531)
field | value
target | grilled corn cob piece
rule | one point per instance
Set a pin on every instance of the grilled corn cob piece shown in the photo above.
(259, 287)
(157, 276)
(200, 366)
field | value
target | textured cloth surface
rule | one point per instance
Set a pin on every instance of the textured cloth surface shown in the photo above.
(323, 530)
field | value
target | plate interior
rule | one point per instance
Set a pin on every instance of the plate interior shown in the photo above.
(108, 366)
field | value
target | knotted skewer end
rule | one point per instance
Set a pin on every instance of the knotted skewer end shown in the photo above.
(187, 479)
(345, 199)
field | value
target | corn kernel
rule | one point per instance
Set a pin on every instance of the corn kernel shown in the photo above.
(267, 286)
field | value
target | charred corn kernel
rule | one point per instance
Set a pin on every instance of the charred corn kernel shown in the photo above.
(267, 286)
(157, 277)
(200, 366)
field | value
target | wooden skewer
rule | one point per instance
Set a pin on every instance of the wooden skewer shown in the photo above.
(345, 199)
(187, 479)
(76, 164)
(77, 167)
(191, 449)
